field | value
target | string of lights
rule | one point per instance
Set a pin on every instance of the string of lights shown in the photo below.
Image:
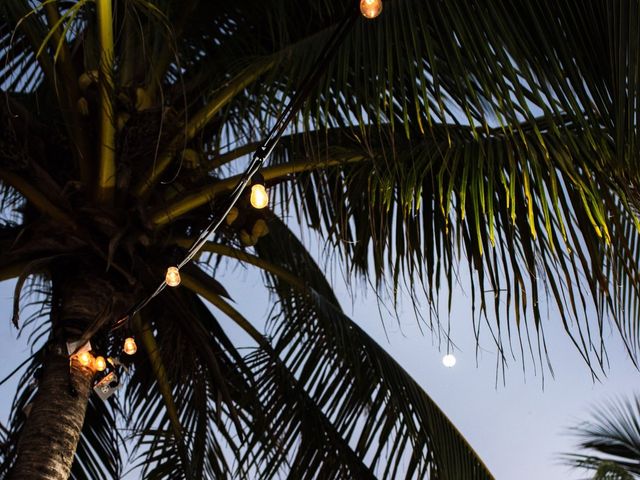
(258, 198)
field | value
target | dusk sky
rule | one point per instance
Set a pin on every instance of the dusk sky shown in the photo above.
(518, 429)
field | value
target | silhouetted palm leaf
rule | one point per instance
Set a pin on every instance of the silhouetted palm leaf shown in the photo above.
(612, 439)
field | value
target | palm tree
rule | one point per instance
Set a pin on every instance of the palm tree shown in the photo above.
(613, 439)
(502, 133)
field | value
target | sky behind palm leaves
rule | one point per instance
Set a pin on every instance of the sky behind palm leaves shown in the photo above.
(518, 427)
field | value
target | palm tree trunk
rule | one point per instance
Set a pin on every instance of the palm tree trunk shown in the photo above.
(51, 433)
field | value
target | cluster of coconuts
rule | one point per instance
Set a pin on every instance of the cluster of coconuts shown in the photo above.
(89, 79)
(251, 228)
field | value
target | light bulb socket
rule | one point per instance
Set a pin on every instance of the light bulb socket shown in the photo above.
(257, 179)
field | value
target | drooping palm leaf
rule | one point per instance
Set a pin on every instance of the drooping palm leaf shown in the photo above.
(430, 62)
(515, 218)
(205, 375)
(369, 399)
(298, 432)
(611, 440)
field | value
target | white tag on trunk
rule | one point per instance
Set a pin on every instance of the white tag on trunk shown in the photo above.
(71, 347)
(107, 386)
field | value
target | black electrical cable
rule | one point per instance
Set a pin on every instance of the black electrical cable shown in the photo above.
(264, 151)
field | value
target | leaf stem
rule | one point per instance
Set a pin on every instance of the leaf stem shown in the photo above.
(107, 164)
(209, 193)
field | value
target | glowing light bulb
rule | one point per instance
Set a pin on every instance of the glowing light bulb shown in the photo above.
(173, 277)
(259, 196)
(85, 359)
(100, 363)
(130, 346)
(370, 8)
(449, 360)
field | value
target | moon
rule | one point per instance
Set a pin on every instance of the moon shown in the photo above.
(449, 360)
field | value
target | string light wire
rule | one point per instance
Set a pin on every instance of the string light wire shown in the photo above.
(262, 153)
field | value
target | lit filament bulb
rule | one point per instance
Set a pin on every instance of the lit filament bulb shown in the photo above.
(370, 8)
(85, 359)
(130, 346)
(259, 196)
(100, 363)
(173, 277)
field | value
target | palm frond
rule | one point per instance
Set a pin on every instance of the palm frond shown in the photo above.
(208, 378)
(23, 30)
(413, 209)
(611, 439)
(11, 203)
(24, 395)
(389, 421)
(444, 62)
(99, 452)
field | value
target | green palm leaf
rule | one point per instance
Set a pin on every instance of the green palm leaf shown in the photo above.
(369, 398)
(449, 194)
(207, 378)
(612, 439)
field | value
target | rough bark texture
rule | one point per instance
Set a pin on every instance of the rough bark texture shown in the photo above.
(50, 436)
